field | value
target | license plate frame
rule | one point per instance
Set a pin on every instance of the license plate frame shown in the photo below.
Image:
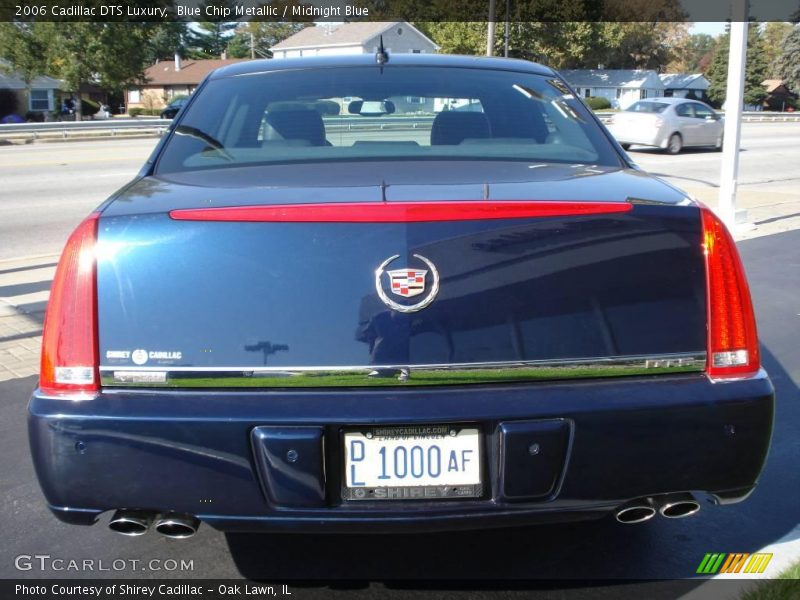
(457, 436)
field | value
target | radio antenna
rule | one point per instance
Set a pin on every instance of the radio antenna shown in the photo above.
(381, 57)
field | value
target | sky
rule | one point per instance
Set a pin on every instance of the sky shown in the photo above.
(710, 28)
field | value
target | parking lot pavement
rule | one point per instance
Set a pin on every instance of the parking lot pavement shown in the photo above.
(24, 289)
(603, 550)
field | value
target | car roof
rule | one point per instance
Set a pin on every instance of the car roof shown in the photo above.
(361, 60)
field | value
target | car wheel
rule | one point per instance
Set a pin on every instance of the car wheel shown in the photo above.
(625, 146)
(718, 145)
(675, 144)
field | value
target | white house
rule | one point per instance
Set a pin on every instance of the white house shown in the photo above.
(362, 37)
(621, 87)
(682, 85)
(40, 97)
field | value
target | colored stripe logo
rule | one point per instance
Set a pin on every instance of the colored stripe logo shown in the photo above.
(734, 562)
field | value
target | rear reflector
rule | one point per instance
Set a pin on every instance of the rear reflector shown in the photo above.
(398, 212)
(69, 340)
(732, 338)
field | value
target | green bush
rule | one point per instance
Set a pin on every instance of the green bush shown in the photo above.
(89, 107)
(598, 103)
(144, 112)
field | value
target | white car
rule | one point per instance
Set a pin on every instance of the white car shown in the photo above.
(668, 123)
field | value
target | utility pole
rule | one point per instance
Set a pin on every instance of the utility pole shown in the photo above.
(252, 46)
(508, 28)
(734, 99)
(490, 29)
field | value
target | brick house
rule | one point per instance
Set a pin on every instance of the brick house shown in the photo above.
(167, 79)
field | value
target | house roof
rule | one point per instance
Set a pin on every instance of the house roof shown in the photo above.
(628, 78)
(13, 81)
(682, 81)
(777, 85)
(192, 71)
(346, 34)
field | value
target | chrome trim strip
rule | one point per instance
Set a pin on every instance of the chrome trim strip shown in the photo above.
(387, 375)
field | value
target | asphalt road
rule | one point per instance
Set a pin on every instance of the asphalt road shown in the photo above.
(47, 188)
(604, 550)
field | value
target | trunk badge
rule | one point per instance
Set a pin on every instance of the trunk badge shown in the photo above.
(407, 283)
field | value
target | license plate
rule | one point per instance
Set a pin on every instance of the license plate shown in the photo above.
(416, 462)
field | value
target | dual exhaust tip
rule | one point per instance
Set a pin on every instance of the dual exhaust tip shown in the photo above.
(137, 522)
(179, 526)
(673, 506)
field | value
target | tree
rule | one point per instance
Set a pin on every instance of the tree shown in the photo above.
(788, 63)
(166, 39)
(774, 36)
(23, 49)
(692, 54)
(111, 55)
(264, 35)
(210, 39)
(755, 69)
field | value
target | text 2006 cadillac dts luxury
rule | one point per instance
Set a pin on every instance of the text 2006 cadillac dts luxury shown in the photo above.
(394, 292)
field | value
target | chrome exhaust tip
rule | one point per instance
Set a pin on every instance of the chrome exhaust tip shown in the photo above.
(679, 506)
(635, 513)
(177, 526)
(130, 522)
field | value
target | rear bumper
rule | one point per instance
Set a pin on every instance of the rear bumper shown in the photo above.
(194, 452)
(639, 137)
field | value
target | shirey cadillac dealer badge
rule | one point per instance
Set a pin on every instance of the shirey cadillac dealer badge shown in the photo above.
(407, 282)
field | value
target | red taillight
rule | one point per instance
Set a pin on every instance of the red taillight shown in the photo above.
(732, 337)
(399, 212)
(69, 340)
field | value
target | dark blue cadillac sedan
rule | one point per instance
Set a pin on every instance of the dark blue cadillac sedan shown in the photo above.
(382, 293)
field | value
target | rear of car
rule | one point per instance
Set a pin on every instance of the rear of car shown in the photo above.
(668, 123)
(423, 294)
(646, 122)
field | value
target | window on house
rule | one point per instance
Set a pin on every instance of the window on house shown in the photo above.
(619, 92)
(134, 96)
(588, 93)
(642, 94)
(40, 100)
(416, 51)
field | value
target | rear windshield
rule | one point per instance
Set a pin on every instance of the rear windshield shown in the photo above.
(394, 113)
(648, 107)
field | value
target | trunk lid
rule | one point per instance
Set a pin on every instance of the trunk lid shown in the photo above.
(181, 300)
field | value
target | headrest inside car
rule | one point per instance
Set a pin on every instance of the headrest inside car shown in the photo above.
(298, 124)
(451, 128)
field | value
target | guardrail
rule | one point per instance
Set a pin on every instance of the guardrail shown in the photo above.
(747, 116)
(119, 127)
(113, 127)
(83, 129)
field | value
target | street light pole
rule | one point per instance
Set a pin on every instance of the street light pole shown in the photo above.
(490, 29)
(734, 99)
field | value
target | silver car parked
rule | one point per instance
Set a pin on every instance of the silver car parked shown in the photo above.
(668, 123)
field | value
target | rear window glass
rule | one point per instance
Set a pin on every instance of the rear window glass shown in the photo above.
(648, 107)
(394, 113)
